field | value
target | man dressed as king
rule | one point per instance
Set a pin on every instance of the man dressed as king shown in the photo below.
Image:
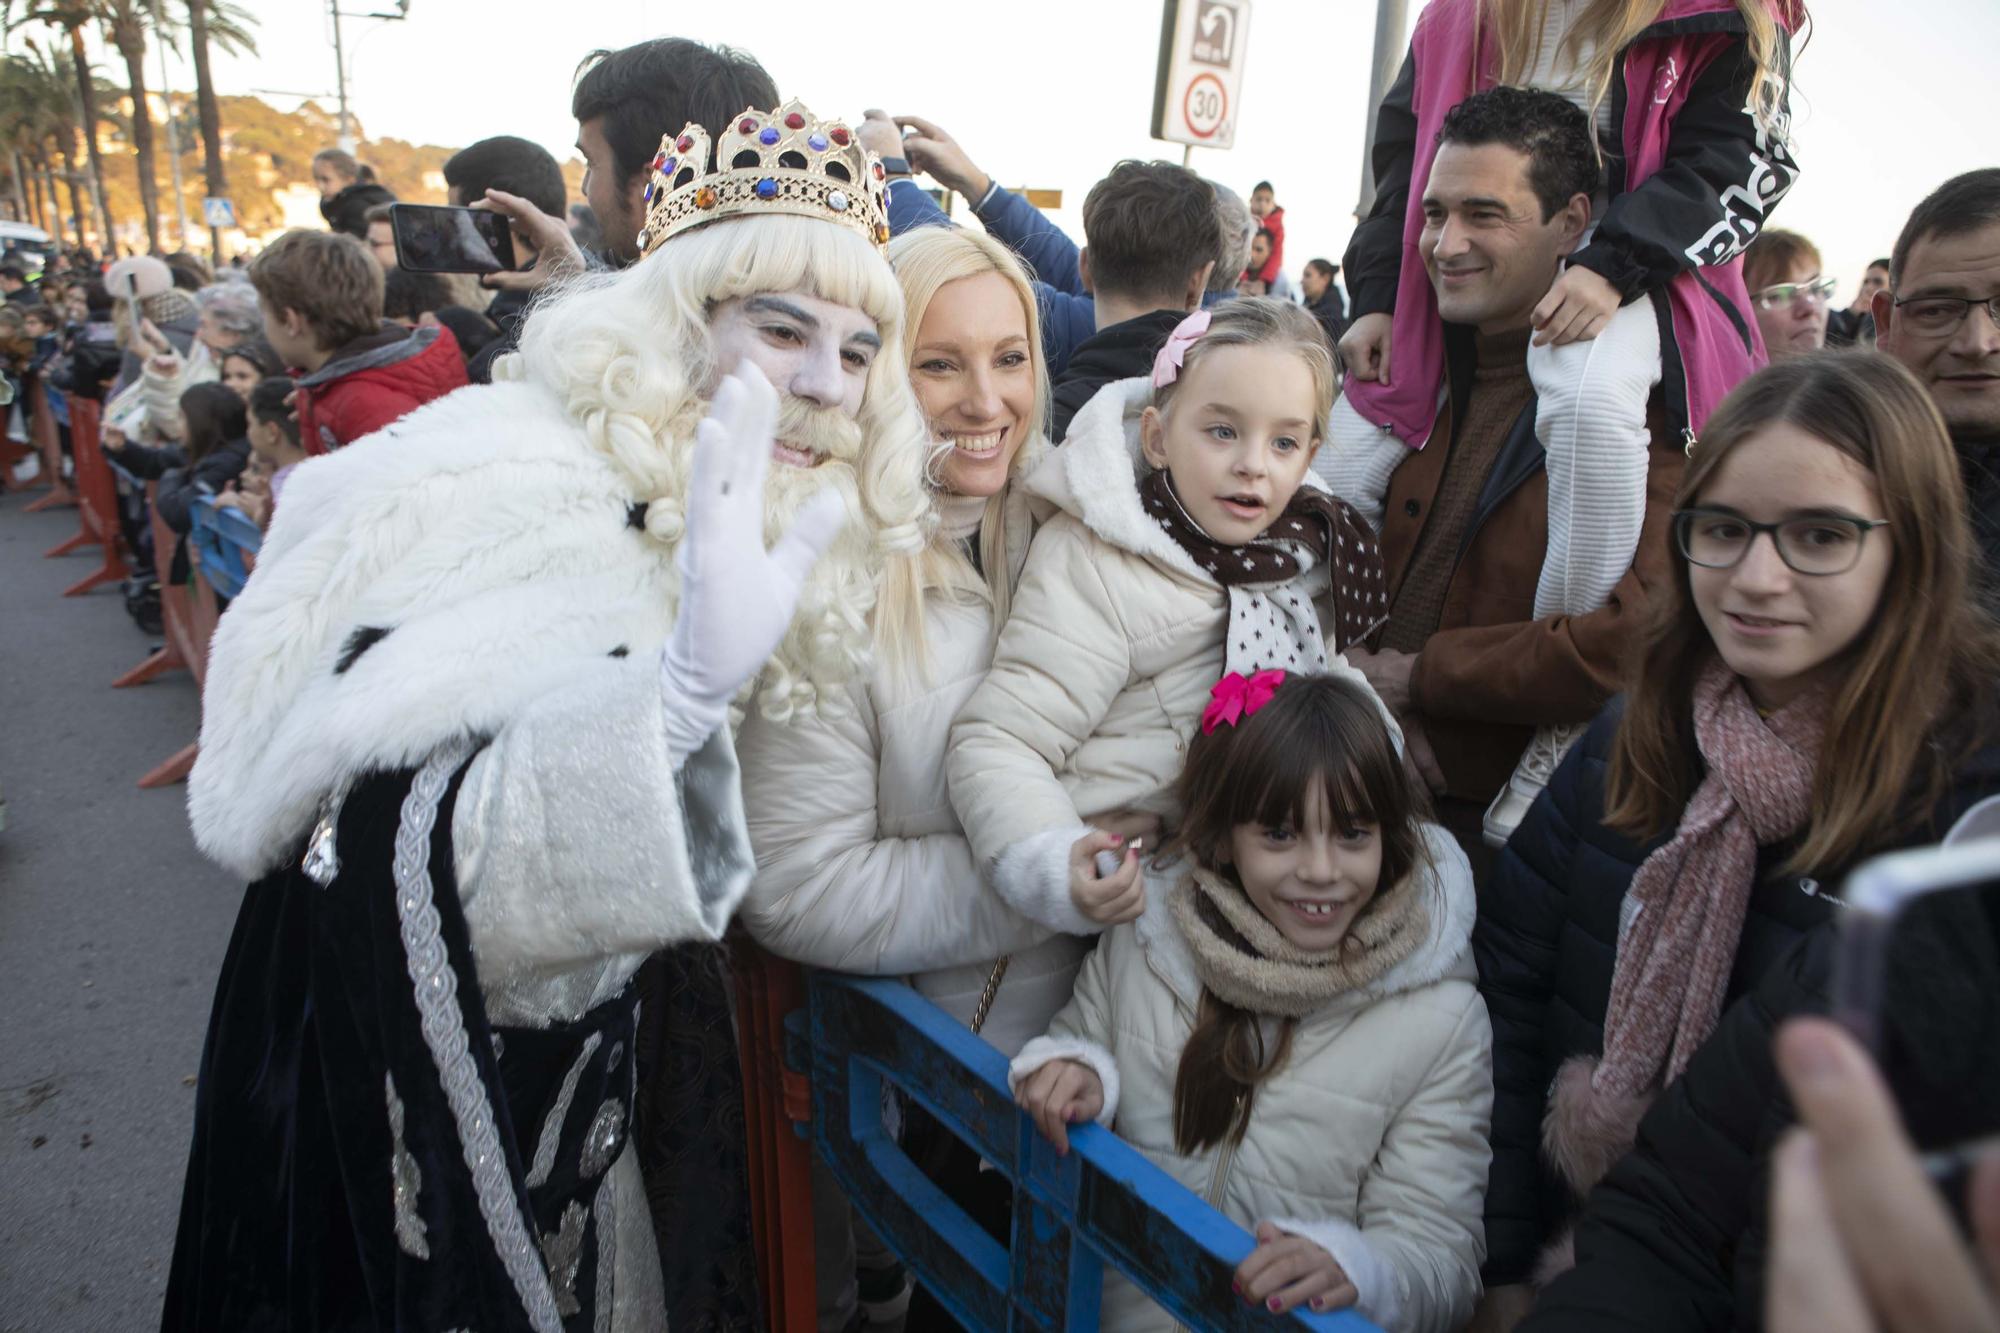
(467, 734)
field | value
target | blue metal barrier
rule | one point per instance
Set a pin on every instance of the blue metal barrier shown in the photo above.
(222, 534)
(1101, 1205)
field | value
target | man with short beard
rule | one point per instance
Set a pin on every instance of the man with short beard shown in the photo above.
(465, 729)
(1940, 316)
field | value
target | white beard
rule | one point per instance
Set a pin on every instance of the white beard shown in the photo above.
(830, 641)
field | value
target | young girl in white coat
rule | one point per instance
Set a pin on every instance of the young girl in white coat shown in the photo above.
(1187, 542)
(1293, 1029)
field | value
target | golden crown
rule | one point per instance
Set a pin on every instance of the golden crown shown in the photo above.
(783, 161)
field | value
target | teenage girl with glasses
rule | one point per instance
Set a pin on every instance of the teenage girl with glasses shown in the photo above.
(1816, 688)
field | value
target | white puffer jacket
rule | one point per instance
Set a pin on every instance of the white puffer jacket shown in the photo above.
(1101, 673)
(1371, 1140)
(861, 864)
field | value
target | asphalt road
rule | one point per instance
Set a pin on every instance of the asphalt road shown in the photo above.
(112, 927)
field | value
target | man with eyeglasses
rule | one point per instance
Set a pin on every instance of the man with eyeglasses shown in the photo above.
(1941, 318)
(1788, 293)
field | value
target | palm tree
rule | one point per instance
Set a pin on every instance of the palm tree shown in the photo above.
(226, 26)
(125, 23)
(72, 17)
(37, 117)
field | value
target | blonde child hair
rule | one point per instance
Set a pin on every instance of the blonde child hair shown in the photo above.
(1606, 28)
(1251, 321)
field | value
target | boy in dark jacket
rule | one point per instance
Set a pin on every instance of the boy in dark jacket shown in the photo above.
(1151, 242)
(322, 301)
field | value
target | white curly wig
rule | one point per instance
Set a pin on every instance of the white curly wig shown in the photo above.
(630, 354)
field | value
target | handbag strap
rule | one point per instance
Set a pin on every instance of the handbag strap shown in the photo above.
(991, 993)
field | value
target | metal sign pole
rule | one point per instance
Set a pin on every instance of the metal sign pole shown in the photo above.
(1392, 20)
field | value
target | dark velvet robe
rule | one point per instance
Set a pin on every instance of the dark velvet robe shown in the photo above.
(364, 1142)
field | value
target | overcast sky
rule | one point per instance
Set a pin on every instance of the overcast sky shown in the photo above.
(1891, 98)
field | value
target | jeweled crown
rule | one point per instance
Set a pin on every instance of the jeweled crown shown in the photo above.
(782, 161)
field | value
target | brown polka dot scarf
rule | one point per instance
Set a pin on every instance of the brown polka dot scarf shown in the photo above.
(1318, 541)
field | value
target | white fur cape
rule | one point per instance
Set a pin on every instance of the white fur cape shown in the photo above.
(489, 546)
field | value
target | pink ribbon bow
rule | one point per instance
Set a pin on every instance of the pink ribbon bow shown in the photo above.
(1235, 697)
(1167, 365)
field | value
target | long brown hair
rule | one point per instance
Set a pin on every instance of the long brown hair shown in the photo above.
(1320, 738)
(1607, 27)
(1926, 663)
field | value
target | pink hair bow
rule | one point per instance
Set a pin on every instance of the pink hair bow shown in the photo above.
(1236, 697)
(1167, 365)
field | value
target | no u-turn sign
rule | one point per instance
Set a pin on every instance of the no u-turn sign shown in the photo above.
(1200, 81)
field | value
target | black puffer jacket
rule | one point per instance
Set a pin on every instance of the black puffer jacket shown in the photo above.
(1546, 942)
(1116, 353)
(1676, 1238)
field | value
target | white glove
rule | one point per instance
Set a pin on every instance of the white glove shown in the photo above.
(737, 598)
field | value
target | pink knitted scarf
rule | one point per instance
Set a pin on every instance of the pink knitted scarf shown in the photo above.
(1683, 918)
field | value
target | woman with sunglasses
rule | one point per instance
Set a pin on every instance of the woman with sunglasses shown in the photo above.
(1790, 296)
(1817, 686)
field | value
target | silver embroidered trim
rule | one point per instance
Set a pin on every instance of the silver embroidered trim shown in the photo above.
(499, 1047)
(562, 1251)
(406, 1180)
(444, 1033)
(617, 1054)
(552, 1124)
(602, 1143)
(607, 1253)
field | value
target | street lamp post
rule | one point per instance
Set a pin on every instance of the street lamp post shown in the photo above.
(1391, 22)
(340, 62)
(173, 132)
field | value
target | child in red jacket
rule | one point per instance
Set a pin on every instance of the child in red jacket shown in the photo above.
(1270, 217)
(321, 294)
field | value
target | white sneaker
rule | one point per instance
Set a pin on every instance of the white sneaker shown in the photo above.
(1525, 783)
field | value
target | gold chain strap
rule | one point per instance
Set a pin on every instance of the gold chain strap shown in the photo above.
(987, 996)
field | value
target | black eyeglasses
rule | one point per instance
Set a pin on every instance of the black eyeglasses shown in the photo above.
(1936, 316)
(1821, 544)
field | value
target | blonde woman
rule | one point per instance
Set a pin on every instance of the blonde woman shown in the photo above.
(861, 864)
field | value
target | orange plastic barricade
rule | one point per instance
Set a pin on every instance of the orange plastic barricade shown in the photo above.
(46, 440)
(777, 1103)
(201, 612)
(97, 497)
(179, 652)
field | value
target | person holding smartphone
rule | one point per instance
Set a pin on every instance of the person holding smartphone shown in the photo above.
(1817, 688)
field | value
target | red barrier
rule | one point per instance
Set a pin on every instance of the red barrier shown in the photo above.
(776, 1101)
(181, 651)
(197, 610)
(97, 496)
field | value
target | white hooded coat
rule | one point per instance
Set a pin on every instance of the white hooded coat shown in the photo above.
(1101, 673)
(1371, 1140)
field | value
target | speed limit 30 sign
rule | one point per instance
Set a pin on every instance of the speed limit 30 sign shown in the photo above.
(1200, 80)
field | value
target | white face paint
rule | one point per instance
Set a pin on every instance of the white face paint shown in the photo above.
(811, 350)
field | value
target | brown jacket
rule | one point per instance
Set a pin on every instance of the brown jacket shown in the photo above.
(1490, 658)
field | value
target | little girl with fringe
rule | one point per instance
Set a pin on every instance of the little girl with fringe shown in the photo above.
(1292, 1029)
(1188, 540)
(1689, 100)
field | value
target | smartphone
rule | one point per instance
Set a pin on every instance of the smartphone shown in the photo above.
(434, 239)
(1917, 978)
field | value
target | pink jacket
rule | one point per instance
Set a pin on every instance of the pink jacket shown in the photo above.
(1700, 178)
